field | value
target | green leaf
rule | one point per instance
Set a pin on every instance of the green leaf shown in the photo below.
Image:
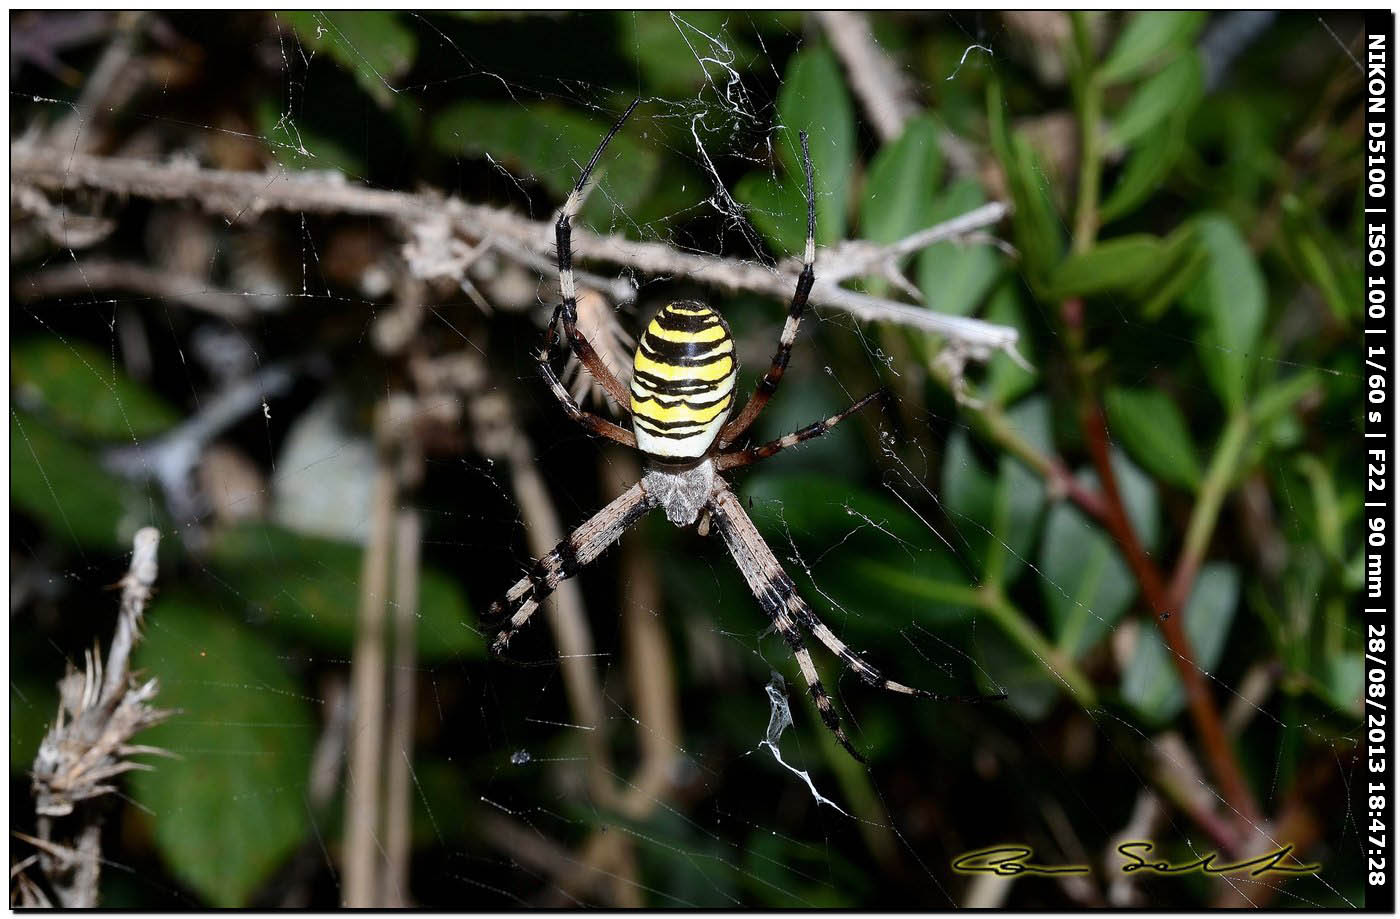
(1321, 258)
(1038, 228)
(309, 587)
(1031, 420)
(1343, 680)
(821, 507)
(1177, 86)
(1120, 264)
(880, 563)
(1086, 585)
(550, 145)
(668, 48)
(62, 484)
(996, 515)
(1327, 513)
(775, 206)
(1147, 168)
(1006, 380)
(1173, 283)
(1154, 431)
(955, 276)
(77, 387)
(1146, 38)
(814, 99)
(298, 146)
(1031, 689)
(899, 190)
(1139, 498)
(1150, 684)
(232, 808)
(374, 45)
(33, 706)
(1230, 298)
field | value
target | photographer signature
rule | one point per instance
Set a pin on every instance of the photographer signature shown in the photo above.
(1009, 861)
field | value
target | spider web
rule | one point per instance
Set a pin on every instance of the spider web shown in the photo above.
(221, 376)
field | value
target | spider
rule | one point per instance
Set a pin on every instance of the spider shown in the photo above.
(681, 393)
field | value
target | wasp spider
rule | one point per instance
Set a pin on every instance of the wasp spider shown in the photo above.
(682, 390)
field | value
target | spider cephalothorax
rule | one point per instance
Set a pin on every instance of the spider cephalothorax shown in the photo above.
(679, 400)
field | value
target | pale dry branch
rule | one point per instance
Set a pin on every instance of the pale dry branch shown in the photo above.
(245, 195)
(361, 862)
(56, 221)
(85, 278)
(858, 257)
(171, 459)
(883, 91)
(398, 822)
(651, 674)
(497, 436)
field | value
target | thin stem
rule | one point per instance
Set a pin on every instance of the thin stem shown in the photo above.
(360, 871)
(1019, 629)
(1200, 702)
(398, 809)
(1216, 484)
(993, 423)
(1090, 104)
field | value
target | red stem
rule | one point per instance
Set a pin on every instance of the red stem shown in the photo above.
(1167, 605)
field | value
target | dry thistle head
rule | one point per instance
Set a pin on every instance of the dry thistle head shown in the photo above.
(88, 744)
(89, 741)
(597, 320)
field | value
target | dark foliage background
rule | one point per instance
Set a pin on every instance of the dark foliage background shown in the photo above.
(1182, 265)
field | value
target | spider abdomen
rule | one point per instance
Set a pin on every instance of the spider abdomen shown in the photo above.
(682, 381)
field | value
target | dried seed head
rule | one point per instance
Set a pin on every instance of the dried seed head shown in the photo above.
(597, 320)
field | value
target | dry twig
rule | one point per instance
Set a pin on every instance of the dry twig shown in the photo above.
(884, 92)
(361, 873)
(242, 195)
(85, 278)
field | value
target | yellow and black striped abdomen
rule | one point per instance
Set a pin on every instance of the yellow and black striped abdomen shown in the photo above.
(682, 381)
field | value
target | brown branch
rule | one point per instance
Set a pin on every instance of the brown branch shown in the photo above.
(1171, 619)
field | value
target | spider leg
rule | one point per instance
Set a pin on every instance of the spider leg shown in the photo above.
(568, 307)
(862, 668)
(593, 423)
(751, 455)
(788, 629)
(779, 598)
(774, 591)
(769, 384)
(580, 548)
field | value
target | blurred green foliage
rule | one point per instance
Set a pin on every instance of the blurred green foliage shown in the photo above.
(1205, 228)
